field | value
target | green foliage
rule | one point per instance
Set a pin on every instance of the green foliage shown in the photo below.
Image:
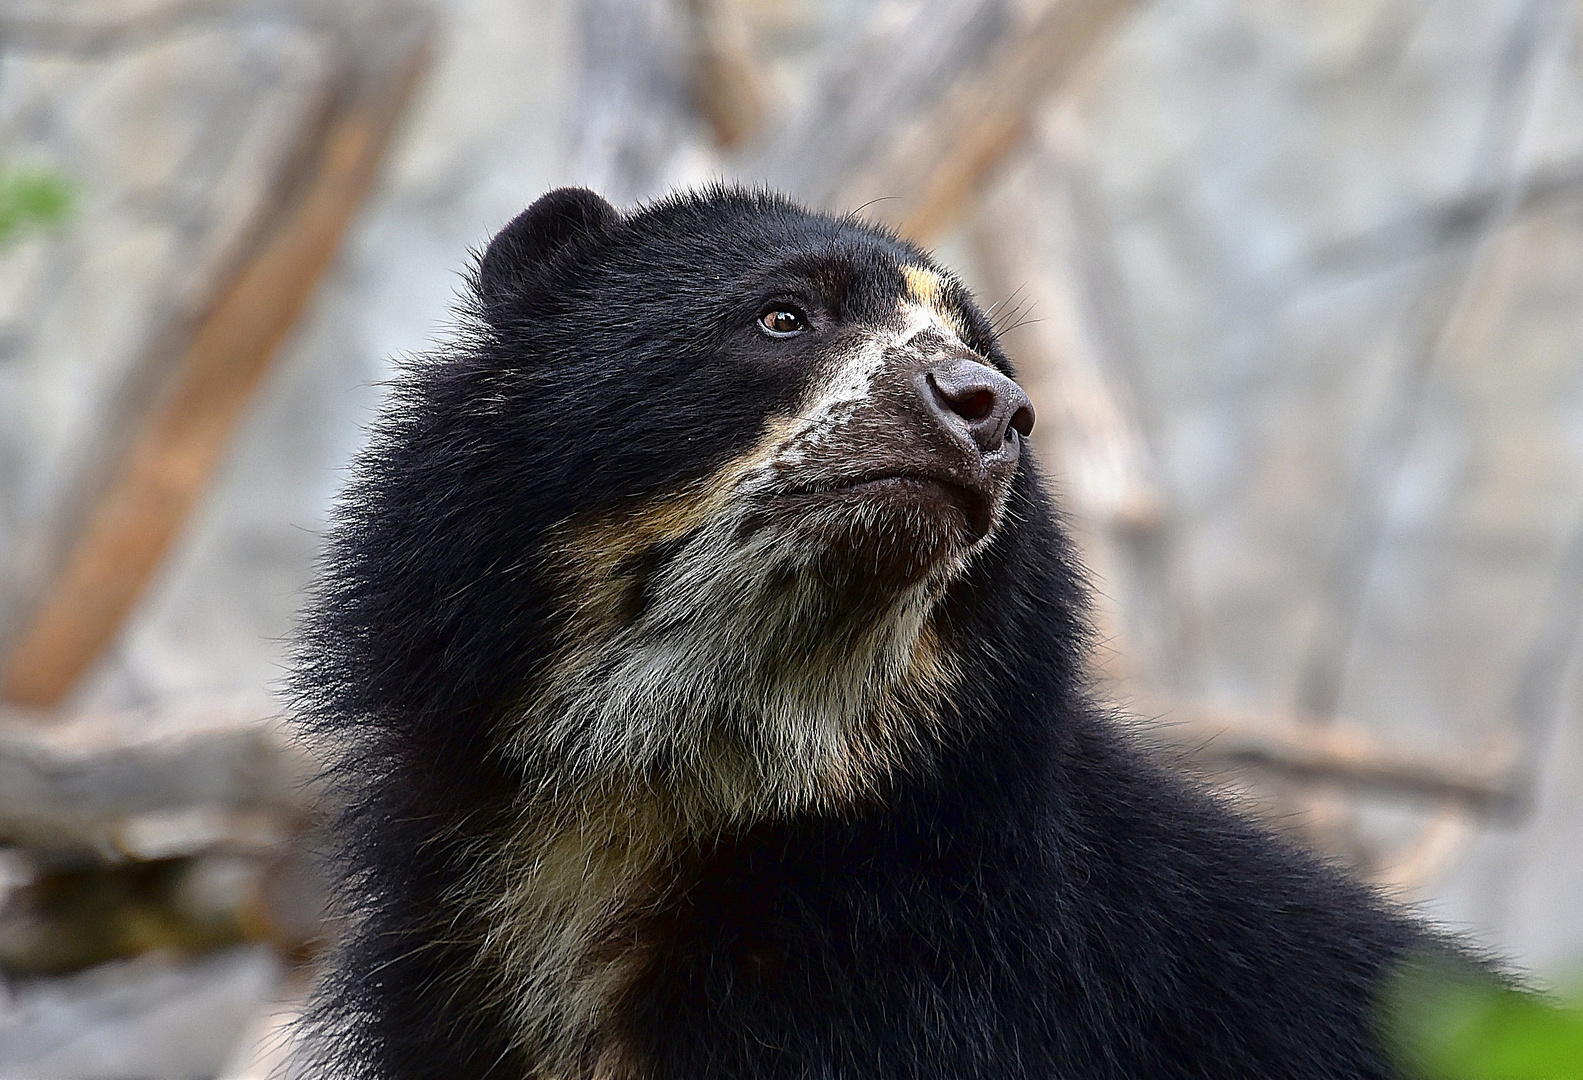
(1446, 1023)
(31, 198)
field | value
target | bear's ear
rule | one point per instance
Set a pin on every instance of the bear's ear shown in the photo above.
(535, 235)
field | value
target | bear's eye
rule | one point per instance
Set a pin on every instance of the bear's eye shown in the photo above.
(782, 320)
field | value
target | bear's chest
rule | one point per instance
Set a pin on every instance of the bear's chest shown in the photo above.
(594, 939)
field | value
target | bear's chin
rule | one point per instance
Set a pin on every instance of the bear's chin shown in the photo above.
(885, 535)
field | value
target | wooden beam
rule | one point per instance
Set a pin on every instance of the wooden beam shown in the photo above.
(912, 120)
(180, 442)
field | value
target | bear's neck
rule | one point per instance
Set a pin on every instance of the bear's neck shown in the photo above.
(650, 752)
(743, 689)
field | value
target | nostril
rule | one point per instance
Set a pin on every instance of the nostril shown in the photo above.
(972, 403)
(974, 406)
(1022, 422)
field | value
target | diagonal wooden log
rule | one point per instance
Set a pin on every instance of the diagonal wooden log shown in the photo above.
(1337, 750)
(219, 774)
(189, 777)
(180, 441)
(931, 175)
(895, 73)
(920, 110)
(727, 86)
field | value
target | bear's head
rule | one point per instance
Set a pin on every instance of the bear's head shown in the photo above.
(681, 507)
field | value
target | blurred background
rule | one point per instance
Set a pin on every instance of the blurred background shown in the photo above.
(1297, 288)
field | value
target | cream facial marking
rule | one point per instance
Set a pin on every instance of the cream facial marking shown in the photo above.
(727, 661)
(705, 650)
(850, 380)
(741, 678)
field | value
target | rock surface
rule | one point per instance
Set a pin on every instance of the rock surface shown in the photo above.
(154, 1016)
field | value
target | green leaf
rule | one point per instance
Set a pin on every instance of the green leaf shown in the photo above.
(32, 198)
(1446, 1022)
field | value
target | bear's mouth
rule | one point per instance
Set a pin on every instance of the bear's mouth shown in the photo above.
(929, 502)
(917, 491)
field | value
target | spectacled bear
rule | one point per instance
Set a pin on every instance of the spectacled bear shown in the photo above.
(704, 668)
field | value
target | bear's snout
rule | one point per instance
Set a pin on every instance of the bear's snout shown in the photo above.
(977, 403)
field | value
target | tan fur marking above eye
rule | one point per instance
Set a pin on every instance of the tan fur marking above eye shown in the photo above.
(925, 288)
(924, 285)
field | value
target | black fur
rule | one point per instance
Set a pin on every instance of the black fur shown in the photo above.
(1040, 900)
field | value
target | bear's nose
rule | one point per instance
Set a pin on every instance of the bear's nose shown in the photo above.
(978, 401)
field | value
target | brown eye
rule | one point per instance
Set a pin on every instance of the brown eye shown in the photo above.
(782, 321)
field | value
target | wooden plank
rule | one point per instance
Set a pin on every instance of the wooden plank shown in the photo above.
(143, 506)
